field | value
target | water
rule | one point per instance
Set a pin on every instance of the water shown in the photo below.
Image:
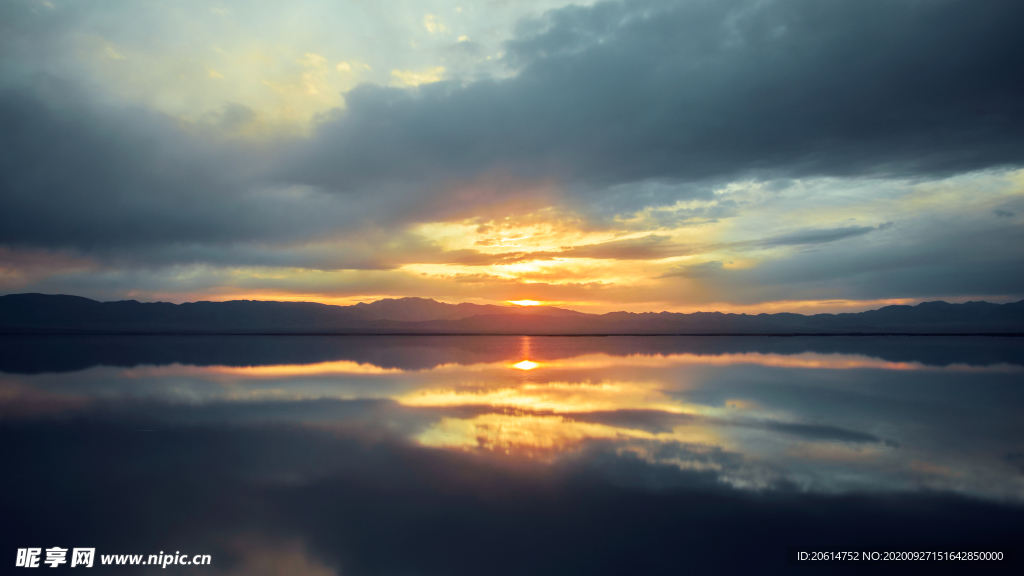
(508, 455)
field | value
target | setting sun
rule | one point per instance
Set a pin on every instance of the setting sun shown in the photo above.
(525, 302)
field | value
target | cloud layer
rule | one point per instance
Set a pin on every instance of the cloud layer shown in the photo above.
(625, 92)
(662, 142)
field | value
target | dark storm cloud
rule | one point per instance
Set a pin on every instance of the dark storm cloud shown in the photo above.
(700, 90)
(133, 186)
(83, 175)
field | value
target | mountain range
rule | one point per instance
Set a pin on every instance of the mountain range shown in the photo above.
(63, 314)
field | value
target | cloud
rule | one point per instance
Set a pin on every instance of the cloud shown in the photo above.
(412, 78)
(616, 93)
(799, 238)
(701, 270)
(650, 247)
(93, 177)
(114, 55)
(695, 91)
(638, 117)
(819, 236)
(433, 25)
(932, 257)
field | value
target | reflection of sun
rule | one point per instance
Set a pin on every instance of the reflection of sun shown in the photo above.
(525, 302)
(525, 365)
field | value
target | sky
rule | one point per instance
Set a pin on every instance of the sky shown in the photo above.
(734, 155)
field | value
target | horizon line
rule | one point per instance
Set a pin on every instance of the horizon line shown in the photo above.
(512, 306)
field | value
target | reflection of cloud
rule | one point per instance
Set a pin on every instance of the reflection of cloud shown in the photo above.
(929, 468)
(18, 400)
(834, 452)
(809, 360)
(739, 404)
(558, 397)
(788, 422)
(261, 556)
(806, 360)
(527, 433)
(275, 371)
(557, 416)
(379, 508)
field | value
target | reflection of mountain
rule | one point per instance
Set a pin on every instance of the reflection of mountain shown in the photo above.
(24, 354)
(38, 313)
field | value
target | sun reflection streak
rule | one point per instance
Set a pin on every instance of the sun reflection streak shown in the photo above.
(557, 397)
(599, 361)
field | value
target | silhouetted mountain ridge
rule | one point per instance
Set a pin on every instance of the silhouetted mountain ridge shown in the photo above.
(424, 309)
(41, 313)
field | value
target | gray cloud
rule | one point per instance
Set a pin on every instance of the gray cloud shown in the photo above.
(650, 247)
(818, 236)
(92, 176)
(702, 270)
(623, 92)
(932, 258)
(619, 106)
(616, 93)
(799, 238)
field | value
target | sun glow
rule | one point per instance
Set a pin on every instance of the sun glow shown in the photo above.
(525, 365)
(525, 302)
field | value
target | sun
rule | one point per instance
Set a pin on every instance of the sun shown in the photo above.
(525, 302)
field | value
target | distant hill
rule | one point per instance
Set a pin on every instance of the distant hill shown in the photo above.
(61, 314)
(424, 309)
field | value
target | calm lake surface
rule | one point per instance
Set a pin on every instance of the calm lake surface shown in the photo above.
(477, 455)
